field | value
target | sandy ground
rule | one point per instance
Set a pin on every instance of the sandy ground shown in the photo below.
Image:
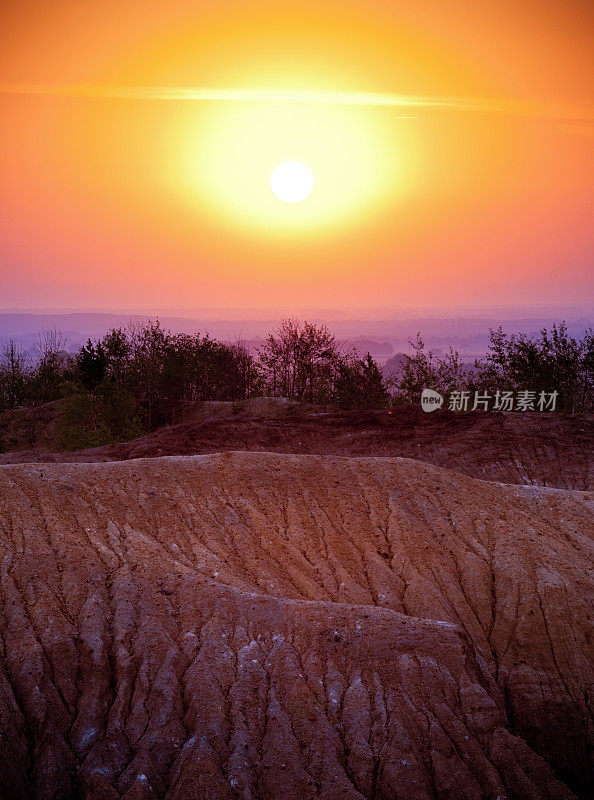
(262, 626)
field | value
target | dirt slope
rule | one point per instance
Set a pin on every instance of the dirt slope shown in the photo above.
(541, 449)
(31, 427)
(262, 626)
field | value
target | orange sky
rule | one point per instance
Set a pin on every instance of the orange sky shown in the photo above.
(122, 202)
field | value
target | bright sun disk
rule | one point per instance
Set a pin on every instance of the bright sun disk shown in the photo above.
(291, 182)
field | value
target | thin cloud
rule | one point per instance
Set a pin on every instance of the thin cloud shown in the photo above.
(505, 107)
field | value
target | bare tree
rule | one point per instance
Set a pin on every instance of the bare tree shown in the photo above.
(13, 374)
(50, 361)
(297, 359)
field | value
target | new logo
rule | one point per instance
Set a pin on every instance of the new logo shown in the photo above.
(430, 400)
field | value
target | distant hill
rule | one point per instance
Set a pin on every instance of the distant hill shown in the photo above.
(394, 364)
(465, 331)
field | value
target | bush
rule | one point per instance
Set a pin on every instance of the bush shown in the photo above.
(82, 423)
(96, 420)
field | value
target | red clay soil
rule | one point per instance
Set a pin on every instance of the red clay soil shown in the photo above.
(292, 627)
(533, 448)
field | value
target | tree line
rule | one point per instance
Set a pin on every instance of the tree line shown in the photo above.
(552, 361)
(137, 378)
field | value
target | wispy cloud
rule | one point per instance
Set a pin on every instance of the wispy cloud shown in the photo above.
(498, 106)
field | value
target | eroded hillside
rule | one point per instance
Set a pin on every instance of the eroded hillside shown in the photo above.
(535, 448)
(255, 625)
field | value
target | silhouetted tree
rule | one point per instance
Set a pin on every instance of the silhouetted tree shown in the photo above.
(298, 359)
(52, 371)
(359, 384)
(554, 361)
(92, 364)
(13, 374)
(424, 370)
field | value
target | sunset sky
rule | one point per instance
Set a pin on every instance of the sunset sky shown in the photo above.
(450, 145)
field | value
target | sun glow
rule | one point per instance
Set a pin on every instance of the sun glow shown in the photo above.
(231, 157)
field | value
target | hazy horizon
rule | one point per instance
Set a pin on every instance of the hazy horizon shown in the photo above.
(371, 312)
(383, 333)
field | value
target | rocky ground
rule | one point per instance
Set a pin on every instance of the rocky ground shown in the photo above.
(259, 626)
(546, 449)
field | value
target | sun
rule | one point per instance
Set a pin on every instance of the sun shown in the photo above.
(279, 169)
(292, 182)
